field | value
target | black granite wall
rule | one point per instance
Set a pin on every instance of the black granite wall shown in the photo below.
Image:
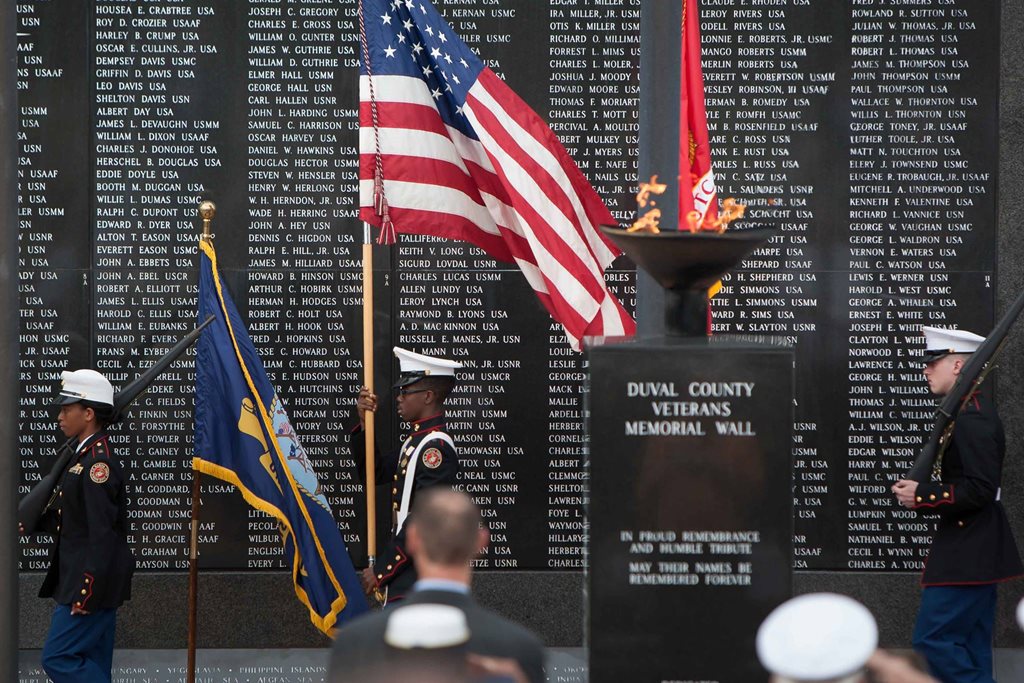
(893, 597)
(260, 610)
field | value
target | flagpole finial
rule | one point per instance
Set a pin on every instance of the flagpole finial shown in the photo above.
(207, 210)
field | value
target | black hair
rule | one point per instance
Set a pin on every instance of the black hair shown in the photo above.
(441, 385)
(105, 413)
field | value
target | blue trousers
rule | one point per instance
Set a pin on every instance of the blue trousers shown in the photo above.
(954, 632)
(79, 648)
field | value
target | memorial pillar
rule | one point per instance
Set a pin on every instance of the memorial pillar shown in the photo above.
(690, 509)
(9, 341)
(660, 64)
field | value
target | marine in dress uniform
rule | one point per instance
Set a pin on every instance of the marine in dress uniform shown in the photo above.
(973, 548)
(91, 564)
(426, 458)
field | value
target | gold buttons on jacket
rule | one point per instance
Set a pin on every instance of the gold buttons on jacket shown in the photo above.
(945, 494)
(389, 567)
(919, 499)
(931, 497)
(87, 579)
(394, 490)
(380, 576)
(84, 591)
(394, 506)
(397, 558)
(78, 604)
(960, 523)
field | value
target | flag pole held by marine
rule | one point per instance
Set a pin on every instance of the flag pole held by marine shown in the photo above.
(243, 436)
(381, 209)
(370, 482)
(207, 210)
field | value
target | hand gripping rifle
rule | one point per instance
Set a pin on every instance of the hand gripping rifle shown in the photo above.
(971, 377)
(42, 495)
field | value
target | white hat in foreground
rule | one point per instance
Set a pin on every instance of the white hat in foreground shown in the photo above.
(84, 385)
(415, 366)
(939, 342)
(426, 626)
(817, 637)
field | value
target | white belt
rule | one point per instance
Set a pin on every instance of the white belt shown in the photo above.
(410, 472)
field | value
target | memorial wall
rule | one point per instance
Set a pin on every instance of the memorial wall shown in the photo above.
(866, 131)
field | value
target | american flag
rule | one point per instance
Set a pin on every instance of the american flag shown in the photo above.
(461, 156)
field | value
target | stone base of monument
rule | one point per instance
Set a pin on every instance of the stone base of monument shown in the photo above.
(690, 506)
(297, 665)
(565, 665)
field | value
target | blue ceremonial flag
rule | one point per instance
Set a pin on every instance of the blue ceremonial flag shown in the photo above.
(243, 436)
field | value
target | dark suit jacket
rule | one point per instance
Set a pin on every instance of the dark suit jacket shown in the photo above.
(359, 646)
(973, 543)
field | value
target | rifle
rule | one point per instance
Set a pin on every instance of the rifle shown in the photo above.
(36, 502)
(971, 377)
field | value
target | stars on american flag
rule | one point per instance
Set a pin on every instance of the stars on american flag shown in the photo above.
(425, 34)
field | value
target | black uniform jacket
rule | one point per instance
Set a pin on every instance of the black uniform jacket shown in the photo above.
(91, 564)
(359, 646)
(437, 465)
(973, 543)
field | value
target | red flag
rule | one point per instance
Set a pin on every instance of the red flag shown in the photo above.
(695, 171)
(447, 149)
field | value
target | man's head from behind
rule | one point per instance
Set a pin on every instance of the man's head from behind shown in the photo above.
(444, 532)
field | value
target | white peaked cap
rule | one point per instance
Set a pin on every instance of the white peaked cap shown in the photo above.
(426, 626)
(415, 366)
(939, 342)
(84, 385)
(817, 637)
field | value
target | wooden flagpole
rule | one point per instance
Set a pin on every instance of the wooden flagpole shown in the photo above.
(371, 473)
(207, 210)
(380, 206)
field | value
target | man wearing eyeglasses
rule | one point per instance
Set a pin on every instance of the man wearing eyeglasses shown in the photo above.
(427, 458)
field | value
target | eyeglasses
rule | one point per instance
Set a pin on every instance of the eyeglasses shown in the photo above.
(405, 392)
